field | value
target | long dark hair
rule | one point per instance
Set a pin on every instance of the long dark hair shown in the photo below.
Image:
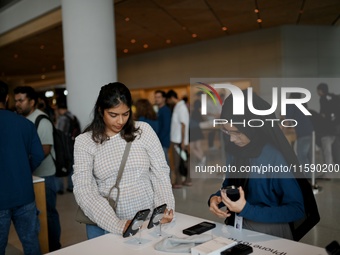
(112, 95)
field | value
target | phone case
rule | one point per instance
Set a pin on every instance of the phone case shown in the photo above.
(199, 228)
(157, 215)
(136, 223)
(238, 249)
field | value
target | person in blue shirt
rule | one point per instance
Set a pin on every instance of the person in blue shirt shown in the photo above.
(270, 202)
(146, 113)
(20, 154)
(164, 120)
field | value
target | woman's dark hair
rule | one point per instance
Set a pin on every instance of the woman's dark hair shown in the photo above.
(112, 95)
(144, 109)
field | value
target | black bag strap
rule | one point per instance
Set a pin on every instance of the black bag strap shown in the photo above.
(121, 169)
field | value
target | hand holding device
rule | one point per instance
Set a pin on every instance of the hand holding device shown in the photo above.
(136, 223)
(232, 192)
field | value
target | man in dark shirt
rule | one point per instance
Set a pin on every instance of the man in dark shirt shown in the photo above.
(329, 119)
(20, 154)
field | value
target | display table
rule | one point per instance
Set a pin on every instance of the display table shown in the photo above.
(40, 200)
(115, 244)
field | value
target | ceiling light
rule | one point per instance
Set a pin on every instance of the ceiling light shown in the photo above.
(15, 55)
(125, 50)
(127, 19)
(42, 47)
(224, 28)
(65, 92)
(43, 77)
(133, 41)
(168, 41)
(49, 93)
(256, 11)
(259, 20)
(194, 35)
(145, 46)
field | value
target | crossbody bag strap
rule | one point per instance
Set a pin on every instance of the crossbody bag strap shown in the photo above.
(121, 168)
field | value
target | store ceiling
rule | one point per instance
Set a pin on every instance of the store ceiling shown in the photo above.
(148, 25)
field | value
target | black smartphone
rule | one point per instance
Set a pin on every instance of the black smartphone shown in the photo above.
(157, 215)
(333, 248)
(136, 223)
(232, 192)
(238, 249)
(199, 228)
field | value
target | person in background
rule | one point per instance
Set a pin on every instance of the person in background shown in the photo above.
(268, 202)
(303, 130)
(330, 113)
(164, 122)
(196, 134)
(20, 154)
(145, 182)
(44, 105)
(26, 102)
(146, 113)
(179, 135)
(64, 123)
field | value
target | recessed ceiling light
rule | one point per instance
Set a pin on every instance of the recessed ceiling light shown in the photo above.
(125, 50)
(15, 55)
(194, 35)
(168, 41)
(127, 19)
(133, 41)
(256, 11)
(42, 46)
(224, 28)
(259, 20)
(145, 46)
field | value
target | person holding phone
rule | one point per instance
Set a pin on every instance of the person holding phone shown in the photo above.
(145, 182)
(269, 201)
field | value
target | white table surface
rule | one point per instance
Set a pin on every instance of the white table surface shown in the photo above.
(115, 244)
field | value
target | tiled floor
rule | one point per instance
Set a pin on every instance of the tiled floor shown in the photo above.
(193, 201)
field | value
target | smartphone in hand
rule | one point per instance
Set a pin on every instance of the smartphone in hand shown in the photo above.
(136, 223)
(157, 215)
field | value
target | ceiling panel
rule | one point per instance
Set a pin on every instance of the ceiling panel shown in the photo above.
(163, 24)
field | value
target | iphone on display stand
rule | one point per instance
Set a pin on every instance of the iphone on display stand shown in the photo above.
(137, 223)
(156, 217)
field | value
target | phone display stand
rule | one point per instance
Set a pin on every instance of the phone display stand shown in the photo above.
(157, 221)
(137, 225)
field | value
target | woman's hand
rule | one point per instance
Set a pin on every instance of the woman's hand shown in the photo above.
(168, 216)
(214, 202)
(126, 225)
(236, 206)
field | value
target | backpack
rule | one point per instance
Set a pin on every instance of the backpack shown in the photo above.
(63, 147)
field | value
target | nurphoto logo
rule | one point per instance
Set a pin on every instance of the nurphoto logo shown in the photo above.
(238, 103)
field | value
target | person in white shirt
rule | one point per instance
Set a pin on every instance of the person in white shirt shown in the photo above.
(179, 135)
